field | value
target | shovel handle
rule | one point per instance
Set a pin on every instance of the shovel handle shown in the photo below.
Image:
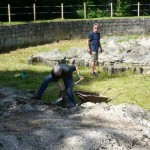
(56, 100)
(114, 97)
(79, 81)
(105, 91)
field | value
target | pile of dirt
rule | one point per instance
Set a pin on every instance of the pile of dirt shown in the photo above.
(29, 125)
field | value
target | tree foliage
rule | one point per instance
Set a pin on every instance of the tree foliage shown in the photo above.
(95, 8)
(70, 2)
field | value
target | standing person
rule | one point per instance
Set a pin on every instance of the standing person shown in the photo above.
(93, 45)
(64, 72)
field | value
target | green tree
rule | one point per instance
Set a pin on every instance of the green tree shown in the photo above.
(123, 8)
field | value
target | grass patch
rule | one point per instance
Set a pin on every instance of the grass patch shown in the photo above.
(63, 20)
(135, 89)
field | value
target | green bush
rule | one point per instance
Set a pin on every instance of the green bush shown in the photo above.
(80, 13)
(123, 9)
(96, 13)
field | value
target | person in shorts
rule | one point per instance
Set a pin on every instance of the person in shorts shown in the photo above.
(94, 46)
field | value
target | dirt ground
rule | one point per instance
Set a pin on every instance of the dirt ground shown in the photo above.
(28, 126)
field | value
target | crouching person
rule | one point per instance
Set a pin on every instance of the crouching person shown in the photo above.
(64, 72)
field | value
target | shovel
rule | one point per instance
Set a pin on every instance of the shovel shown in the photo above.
(105, 91)
(54, 102)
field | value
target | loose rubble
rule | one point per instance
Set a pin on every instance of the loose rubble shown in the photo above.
(33, 125)
(120, 54)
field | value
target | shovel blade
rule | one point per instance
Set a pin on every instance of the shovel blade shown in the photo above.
(56, 100)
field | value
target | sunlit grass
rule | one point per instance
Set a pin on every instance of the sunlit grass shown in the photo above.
(134, 88)
(61, 20)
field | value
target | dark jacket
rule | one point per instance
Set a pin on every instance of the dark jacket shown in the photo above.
(67, 72)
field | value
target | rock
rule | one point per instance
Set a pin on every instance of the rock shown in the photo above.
(47, 58)
(117, 49)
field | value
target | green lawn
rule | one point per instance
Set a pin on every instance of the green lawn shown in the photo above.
(60, 19)
(134, 88)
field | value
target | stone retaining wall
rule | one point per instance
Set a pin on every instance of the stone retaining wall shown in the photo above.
(39, 33)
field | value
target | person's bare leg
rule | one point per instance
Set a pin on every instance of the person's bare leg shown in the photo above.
(92, 66)
(96, 66)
